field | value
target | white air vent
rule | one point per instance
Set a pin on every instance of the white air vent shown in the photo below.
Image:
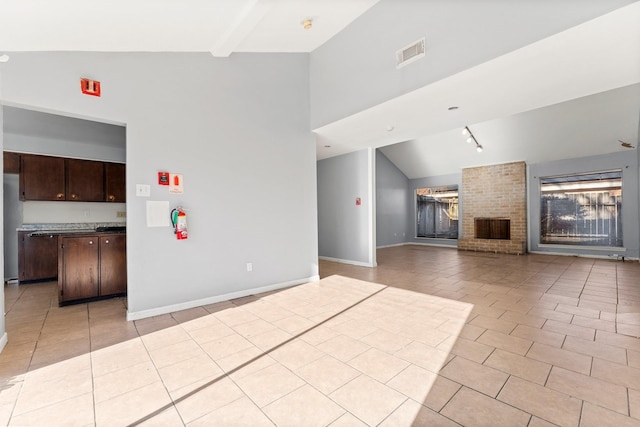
(410, 53)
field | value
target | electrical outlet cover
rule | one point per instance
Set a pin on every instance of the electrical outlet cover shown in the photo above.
(143, 190)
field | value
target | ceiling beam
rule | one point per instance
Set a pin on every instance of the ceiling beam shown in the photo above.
(241, 26)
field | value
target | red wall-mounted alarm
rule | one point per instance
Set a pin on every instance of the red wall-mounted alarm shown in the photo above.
(90, 87)
(163, 178)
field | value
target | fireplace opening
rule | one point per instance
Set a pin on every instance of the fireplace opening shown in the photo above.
(493, 228)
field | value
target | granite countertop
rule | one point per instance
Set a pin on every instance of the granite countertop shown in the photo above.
(69, 226)
(74, 228)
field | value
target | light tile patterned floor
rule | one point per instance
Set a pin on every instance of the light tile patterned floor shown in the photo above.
(432, 336)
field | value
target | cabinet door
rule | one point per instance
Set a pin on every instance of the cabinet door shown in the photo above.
(85, 180)
(37, 257)
(41, 178)
(115, 182)
(78, 268)
(113, 264)
(11, 162)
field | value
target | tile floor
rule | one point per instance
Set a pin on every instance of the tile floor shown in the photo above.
(432, 336)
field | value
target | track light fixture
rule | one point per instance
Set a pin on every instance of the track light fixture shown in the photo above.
(467, 132)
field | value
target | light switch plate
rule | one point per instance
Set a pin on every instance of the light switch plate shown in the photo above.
(143, 190)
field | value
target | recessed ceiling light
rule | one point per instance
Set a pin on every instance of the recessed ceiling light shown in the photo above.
(307, 24)
(452, 108)
(390, 128)
(4, 58)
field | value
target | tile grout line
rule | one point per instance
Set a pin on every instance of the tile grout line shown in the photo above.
(93, 384)
(266, 352)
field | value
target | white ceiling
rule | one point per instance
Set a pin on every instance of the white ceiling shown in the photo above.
(217, 26)
(511, 103)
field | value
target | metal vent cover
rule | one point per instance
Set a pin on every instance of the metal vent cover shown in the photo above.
(410, 53)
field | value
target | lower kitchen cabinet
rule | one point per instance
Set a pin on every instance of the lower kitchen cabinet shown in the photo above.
(91, 267)
(78, 273)
(113, 264)
(37, 256)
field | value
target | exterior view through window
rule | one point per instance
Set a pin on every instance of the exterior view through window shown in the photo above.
(582, 209)
(437, 212)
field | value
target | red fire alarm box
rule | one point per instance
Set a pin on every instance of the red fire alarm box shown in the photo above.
(90, 87)
(163, 178)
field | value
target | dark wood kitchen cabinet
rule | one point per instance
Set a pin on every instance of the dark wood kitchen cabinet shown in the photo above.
(78, 268)
(77, 180)
(113, 264)
(11, 162)
(42, 177)
(37, 256)
(91, 266)
(115, 178)
(84, 180)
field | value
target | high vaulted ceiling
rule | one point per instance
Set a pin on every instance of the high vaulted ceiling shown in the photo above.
(217, 26)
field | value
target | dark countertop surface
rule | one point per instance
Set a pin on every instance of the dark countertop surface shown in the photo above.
(59, 229)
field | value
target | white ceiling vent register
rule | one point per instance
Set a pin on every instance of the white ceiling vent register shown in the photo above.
(411, 53)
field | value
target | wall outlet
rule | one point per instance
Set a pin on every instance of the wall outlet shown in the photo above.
(86, 214)
(121, 214)
(249, 266)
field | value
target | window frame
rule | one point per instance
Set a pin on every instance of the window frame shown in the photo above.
(442, 189)
(571, 178)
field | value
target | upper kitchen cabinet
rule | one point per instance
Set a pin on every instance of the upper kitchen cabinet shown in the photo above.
(58, 178)
(85, 180)
(11, 162)
(115, 178)
(42, 177)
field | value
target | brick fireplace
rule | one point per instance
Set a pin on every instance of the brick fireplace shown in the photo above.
(494, 209)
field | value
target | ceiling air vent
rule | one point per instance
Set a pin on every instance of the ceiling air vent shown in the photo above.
(410, 53)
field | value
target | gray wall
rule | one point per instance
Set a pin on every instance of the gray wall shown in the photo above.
(3, 331)
(62, 148)
(627, 162)
(345, 230)
(432, 181)
(392, 203)
(12, 219)
(356, 69)
(238, 130)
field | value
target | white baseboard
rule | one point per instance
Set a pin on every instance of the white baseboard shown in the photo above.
(392, 246)
(348, 261)
(437, 245)
(609, 257)
(3, 341)
(137, 315)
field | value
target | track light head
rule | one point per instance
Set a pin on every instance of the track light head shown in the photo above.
(467, 131)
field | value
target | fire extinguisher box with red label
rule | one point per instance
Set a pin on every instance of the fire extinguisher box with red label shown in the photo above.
(179, 221)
